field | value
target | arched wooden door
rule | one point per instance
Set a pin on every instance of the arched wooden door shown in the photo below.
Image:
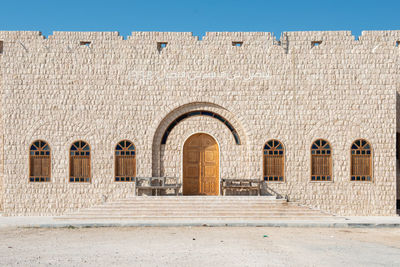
(200, 165)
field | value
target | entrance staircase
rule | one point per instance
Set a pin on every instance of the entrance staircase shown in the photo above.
(198, 208)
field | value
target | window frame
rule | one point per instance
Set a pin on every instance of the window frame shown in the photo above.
(29, 163)
(115, 162)
(370, 159)
(330, 163)
(90, 164)
(284, 162)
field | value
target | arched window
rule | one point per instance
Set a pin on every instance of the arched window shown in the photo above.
(321, 161)
(361, 161)
(39, 162)
(79, 162)
(125, 161)
(274, 161)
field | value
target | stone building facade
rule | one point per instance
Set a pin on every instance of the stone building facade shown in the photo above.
(242, 88)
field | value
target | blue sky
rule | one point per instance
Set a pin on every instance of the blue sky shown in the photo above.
(199, 16)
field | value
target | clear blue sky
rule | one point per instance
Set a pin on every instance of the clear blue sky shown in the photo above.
(199, 16)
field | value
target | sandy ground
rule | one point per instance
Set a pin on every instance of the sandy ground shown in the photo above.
(199, 246)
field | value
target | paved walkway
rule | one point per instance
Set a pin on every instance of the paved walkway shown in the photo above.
(337, 222)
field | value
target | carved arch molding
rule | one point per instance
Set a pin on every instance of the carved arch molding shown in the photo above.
(174, 117)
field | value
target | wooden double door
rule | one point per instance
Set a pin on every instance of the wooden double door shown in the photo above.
(200, 165)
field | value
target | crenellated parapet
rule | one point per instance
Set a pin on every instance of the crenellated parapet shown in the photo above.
(301, 41)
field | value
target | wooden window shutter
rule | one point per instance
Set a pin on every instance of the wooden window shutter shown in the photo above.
(361, 161)
(79, 166)
(274, 161)
(39, 162)
(125, 161)
(321, 161)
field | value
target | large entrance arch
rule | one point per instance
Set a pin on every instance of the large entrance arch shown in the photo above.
(165, 128)
(200, 165)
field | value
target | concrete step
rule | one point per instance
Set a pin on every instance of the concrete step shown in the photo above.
(193, 217)
(209, 200)
(199, 201)
(135, 204)
(219, 199)
(161, 212)
(175, 209)
(196, 207)
(170, 210)
(205, 215)
(222, 198)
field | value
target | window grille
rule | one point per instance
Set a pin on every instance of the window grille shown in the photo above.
(274, 161)
(361, 161)
(39, 162)
(79, 164)
(125, 161)
(321, 161)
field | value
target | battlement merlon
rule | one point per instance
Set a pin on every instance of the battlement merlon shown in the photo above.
(298, 40)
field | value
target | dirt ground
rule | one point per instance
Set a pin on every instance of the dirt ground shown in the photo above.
(199, 246)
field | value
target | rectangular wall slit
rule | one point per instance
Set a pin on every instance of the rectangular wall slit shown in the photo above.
(237, 43)
(85, 43)
(315, 43)
(161, 46)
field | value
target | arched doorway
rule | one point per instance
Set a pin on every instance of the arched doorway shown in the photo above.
(200, 165)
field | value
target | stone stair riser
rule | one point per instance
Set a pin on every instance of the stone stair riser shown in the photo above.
(196, 217)
(197, 207)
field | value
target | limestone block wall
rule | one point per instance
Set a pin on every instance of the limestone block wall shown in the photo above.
(1, 134)
(100, 88)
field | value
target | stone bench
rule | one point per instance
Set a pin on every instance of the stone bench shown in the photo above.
(157, 183)
(240, 185)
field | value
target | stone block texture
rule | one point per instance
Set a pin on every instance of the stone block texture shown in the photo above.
(102, 88)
